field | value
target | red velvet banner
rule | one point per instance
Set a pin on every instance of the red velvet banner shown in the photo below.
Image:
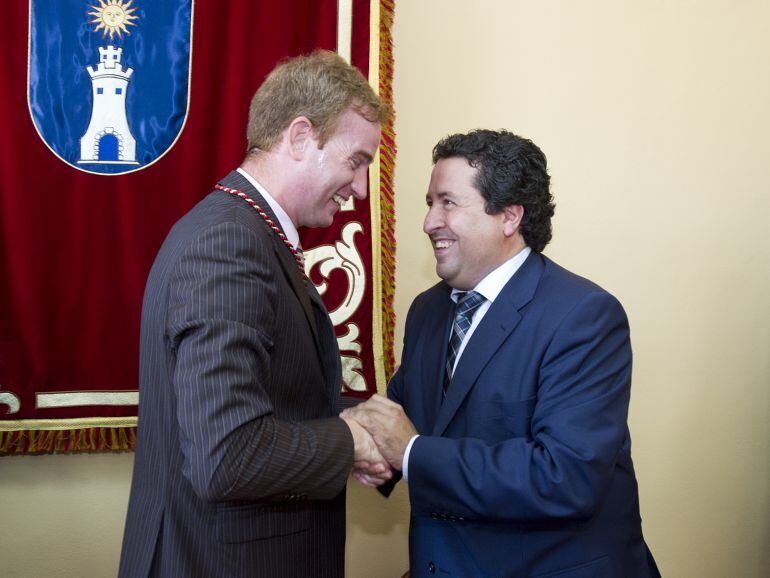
(76, 244)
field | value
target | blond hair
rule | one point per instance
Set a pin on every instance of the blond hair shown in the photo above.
(320, 86)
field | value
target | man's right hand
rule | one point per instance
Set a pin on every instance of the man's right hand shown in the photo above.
(388, 425)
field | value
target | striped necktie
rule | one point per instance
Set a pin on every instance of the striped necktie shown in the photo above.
(467, 303)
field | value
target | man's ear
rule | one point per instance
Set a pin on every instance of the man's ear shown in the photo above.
(512, 217)
(300, 137)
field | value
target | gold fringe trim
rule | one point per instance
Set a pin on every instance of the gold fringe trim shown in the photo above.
(68, 423)
(387, 173)
(96, 439)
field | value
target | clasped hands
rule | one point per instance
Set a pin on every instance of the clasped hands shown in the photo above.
(381, 431)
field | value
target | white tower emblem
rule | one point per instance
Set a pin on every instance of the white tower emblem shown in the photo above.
(108, 140)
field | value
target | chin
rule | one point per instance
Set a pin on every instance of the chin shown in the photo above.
(443, 275)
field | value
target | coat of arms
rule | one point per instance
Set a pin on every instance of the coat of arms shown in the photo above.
(109, 80)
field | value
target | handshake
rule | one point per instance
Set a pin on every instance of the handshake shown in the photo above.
(381, 431)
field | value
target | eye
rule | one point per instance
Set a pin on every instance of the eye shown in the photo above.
(448, 203)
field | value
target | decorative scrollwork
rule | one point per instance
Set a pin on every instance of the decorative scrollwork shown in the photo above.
(349, 341)
(352, 368)
(342, 255)
(11, 400)
(352, 374)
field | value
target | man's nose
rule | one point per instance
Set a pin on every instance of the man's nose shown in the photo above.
(432, 221)
(359, 183)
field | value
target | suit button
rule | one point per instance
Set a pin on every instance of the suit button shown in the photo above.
(431, 568)
(434, 515)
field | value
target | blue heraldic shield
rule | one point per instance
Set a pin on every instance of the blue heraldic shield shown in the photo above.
(109, 80)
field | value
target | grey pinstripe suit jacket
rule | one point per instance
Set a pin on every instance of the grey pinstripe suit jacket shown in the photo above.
(241, 462)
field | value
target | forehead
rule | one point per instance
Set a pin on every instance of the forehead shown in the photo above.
(356, 131)
(453, 175)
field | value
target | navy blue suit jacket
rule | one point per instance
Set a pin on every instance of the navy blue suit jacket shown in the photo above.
(525, 467)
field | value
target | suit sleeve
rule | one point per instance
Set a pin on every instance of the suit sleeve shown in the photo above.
(395, 392)
(396, 384)
(577, 433)
(221, 318)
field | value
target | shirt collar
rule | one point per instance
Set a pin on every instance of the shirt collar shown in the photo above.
(286, 224)
(491, 285)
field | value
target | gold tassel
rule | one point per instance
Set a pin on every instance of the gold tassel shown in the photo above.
(98, 439)
(387, 172)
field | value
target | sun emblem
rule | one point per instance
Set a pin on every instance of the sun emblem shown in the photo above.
(112, 17)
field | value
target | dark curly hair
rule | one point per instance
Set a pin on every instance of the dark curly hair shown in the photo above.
(512, 171)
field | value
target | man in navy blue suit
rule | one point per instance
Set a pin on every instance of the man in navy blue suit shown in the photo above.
(508, 414)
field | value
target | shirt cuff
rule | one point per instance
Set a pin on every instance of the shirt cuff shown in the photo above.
(405, 463)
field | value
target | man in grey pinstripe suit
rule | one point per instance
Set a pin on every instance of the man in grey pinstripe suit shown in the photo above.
(241, 459)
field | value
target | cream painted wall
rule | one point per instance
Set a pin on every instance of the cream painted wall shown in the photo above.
(62, 516)
(655, 118)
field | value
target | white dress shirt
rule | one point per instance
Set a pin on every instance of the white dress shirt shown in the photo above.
(490, 287)
(285, 221)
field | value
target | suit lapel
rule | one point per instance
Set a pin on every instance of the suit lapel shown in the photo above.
(498, 323)
(289, 267)
(329, 351)
(432, 357)
(296, 281)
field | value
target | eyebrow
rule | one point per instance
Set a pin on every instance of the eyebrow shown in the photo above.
(366, 156)
(440, 195)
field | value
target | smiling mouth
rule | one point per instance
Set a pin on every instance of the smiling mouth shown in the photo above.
(442, 244)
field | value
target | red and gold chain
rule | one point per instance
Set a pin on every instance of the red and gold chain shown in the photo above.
(297, 256)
